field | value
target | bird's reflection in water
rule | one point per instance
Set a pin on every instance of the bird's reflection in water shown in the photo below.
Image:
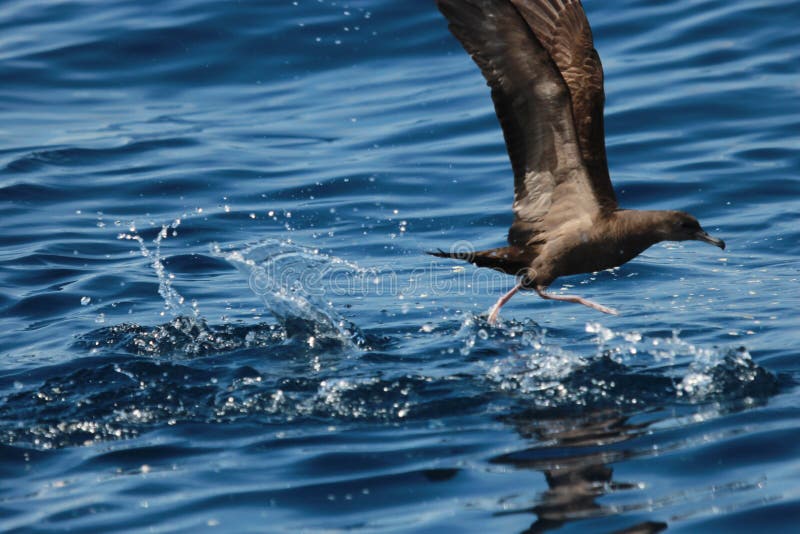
(574, 453)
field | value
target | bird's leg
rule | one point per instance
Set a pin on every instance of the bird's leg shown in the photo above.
(577, 300)
(495, 311)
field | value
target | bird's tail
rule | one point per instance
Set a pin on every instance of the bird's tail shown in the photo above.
(509, 260)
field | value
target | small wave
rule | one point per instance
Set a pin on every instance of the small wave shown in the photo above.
(182, 336)
(79, 156)
(111, 398)
(27, 192)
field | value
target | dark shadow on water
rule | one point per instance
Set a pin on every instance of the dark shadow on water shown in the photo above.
(575, 454)
(575, 450)
(584, 414)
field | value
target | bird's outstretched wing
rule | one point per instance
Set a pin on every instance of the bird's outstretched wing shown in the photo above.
(552, 185)
(563, 30)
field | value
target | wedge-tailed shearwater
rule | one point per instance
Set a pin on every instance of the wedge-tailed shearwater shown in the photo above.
(546, 81)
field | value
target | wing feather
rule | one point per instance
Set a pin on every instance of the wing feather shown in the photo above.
(532, 101)
(563, 30)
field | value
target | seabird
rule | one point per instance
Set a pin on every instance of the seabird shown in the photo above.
(546, 80)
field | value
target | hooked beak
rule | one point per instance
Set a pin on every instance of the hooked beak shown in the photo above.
(705, 238)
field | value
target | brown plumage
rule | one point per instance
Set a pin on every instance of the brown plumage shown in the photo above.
(546, 82)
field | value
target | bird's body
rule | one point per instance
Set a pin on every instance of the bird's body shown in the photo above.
(546, 78)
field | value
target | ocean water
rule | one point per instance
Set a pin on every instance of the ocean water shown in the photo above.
(216, 312)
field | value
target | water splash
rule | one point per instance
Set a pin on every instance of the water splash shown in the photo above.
(174, 302)
(294, 283)
(615, 368)
(182, 336)
(115, 400)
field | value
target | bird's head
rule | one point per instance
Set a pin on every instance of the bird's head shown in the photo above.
(680, 226)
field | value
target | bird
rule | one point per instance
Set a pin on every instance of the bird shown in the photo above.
(547, 85)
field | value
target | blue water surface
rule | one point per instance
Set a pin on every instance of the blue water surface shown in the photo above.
(216, 312)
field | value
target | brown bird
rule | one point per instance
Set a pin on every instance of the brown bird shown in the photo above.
(539, 60)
